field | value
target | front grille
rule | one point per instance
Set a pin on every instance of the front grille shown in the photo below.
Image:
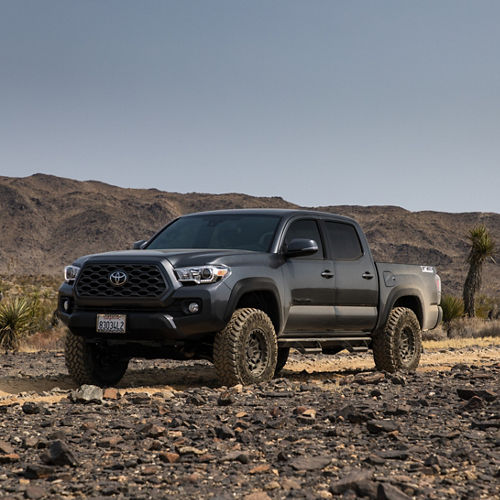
(143, 280)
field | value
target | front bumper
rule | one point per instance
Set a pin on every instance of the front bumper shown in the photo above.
(167, 323)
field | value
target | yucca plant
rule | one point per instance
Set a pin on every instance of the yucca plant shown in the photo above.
(482, 247)
(15, 321)
(453, 307)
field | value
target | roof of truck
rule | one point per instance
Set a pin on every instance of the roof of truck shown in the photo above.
(282, 212)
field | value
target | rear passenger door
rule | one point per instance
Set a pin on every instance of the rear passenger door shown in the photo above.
(310, 282)
(356, 284)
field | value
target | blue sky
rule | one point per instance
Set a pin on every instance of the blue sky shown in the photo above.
(320, 102)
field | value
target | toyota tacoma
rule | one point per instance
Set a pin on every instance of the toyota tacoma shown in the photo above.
(240, 288)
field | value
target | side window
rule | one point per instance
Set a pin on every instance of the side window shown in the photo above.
(344, 241)
(307, 229)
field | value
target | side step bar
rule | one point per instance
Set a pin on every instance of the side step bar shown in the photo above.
(358, 348)
(312, 345)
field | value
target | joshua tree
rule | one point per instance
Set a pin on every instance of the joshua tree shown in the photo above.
(482, 247)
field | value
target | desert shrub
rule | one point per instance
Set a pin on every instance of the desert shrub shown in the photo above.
(485, 304)
(48, 340)
(35, 296)
(16, 317)
(473, 328)
(437, 334)
(453, 307)
(41, 294)
(42, 311)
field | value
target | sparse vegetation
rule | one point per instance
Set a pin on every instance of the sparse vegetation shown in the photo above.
(49, 340)
(15, 322)
(458, 343)
(472, 328)
(27, 312)
(487, 307)
(453, 307)
(482, 247)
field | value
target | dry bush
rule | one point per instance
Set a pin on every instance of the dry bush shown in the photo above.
(438, 345)
(473, 328)
(438, 333)
(49, 340)
(486, 305)
(461, 328)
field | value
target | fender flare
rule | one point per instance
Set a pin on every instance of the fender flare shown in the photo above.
(248, 285)
(393, 297)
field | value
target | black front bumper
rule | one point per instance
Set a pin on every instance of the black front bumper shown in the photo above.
(169, 323)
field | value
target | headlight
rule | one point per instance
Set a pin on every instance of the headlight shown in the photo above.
(201, 274)
(70, 273)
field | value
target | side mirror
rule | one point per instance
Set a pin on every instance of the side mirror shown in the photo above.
(139, 245)
(299, 247)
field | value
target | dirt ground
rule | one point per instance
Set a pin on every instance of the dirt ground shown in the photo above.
(32, 376)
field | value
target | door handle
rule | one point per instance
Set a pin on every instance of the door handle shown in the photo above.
(327, 274)
(367, 275)
(302, 301)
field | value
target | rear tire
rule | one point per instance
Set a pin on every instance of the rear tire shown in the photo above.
(92, 364)
(399, 346)
(245, 351)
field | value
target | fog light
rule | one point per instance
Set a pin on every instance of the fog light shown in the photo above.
(193, 307)
(66, 305)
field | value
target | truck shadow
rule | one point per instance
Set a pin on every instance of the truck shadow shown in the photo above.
(182, 377)
(176, 378)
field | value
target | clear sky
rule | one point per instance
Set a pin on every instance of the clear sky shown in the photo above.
(320, 102)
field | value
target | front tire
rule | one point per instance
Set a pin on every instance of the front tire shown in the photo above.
(92, 364)
(245, 351)
(399, 346)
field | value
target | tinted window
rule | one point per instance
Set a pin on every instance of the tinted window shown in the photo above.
(307, 229)
(344, 241)
(245, 232)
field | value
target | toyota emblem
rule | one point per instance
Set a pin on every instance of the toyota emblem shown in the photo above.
(118, 278)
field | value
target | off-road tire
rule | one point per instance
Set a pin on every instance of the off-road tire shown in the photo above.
(245, 351)
(86, 365)
(399, 346)
(282, 358)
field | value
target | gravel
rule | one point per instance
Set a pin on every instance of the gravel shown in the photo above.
(356, 434)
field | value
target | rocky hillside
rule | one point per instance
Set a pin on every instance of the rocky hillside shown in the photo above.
(47, 221)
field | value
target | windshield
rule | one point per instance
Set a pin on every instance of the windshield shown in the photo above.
(219, 231)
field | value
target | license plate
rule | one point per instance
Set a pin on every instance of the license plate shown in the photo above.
(111, 323)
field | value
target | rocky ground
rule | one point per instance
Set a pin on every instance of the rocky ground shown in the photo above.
(331, 428)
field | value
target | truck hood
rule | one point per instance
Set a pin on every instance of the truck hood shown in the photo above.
(178, 258)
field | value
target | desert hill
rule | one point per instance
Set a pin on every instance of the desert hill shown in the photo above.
(48, 221)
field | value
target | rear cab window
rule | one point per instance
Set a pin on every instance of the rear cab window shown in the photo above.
(343, 241)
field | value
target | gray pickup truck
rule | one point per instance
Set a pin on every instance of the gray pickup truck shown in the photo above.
(240, 288)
